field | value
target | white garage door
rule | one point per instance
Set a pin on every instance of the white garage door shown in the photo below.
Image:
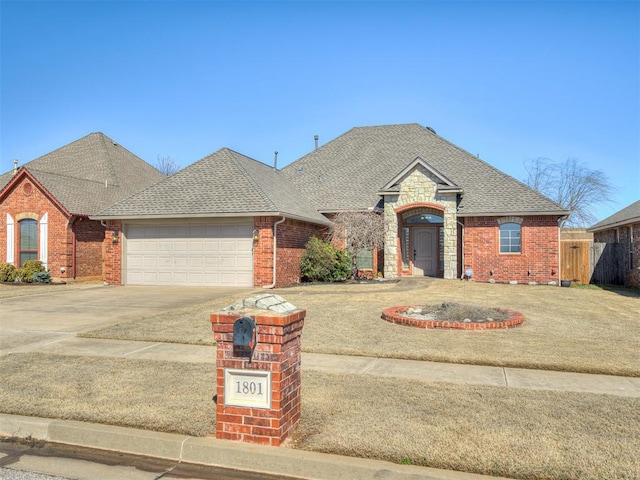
(211, 254)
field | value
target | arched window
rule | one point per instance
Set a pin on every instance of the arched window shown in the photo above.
(28, 240)
(510, 238)
(424, 218)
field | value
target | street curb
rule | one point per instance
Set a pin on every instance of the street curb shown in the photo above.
(281, 461)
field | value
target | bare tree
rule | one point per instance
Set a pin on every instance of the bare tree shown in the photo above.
(358, 232)
(571, 184)
(167, 165)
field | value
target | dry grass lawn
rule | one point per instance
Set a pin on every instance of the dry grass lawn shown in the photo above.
(566, 329)
(495, 431)
(517, 433)
(161, 396)
(488, 430)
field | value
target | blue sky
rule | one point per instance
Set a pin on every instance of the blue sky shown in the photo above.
(510, 81)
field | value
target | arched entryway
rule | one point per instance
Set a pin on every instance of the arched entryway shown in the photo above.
(422, 241)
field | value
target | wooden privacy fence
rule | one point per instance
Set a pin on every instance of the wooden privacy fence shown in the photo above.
(589, 262)
(607, 263)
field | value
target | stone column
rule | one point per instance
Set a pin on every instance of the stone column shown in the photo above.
(258, 389)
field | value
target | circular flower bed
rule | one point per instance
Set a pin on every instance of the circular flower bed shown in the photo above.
(453, 316)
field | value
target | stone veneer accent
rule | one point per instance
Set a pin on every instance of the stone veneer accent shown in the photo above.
(419, 186)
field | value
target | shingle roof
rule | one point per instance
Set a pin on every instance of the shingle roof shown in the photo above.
(224, 183)
(90, 174)
(629, 214)
(349, 172)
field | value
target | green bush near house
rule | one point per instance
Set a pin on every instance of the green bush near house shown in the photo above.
(41, 277)
(29, 269)
(7, 272)
(324, 263)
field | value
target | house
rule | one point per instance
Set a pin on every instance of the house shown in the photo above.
(46, 203)
(231, 220)
(447, 213)
(622, 229)
(224, 220)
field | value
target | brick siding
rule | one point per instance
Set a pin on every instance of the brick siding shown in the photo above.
(31, 202)
(277, 350)
(537, 262)
(89, 239)
(113, 253)
(292, 238)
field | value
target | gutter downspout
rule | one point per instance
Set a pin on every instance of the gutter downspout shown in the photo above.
(73, 247)
(275, 237)
(462, 248)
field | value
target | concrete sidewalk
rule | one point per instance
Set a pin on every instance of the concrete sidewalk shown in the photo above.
(383, 367)
(279, 461)
(282, 462)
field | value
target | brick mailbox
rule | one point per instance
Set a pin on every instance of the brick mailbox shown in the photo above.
(258, 369)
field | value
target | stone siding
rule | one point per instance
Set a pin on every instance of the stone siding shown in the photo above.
(419, 187)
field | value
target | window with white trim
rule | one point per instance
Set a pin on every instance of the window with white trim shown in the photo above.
(28, 240)
(510, 238)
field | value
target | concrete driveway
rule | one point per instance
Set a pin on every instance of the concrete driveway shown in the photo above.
(39, 318)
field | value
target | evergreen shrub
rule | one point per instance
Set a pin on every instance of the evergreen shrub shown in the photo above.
(324, 263)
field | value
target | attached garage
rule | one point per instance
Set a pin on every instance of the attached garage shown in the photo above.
(217, 252)
(225, 220)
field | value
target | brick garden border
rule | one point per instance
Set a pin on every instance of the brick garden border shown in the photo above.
(392, 315)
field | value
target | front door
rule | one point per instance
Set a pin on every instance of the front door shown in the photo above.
(424, 252)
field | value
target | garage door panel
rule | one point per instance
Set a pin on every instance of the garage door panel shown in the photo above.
(196, 254)
(227, 246)
(196, 278)
(165, 278)
(195, 247)
(165, 246)
(165, 262)
(150, 262)
(135, 261)
(244, 278)
(244, 262)
(211, 246)
(227, 262)
(180, 262)
(195, 262)
(150, 277)
(180, 246)
(180, 278)
(211, 262)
